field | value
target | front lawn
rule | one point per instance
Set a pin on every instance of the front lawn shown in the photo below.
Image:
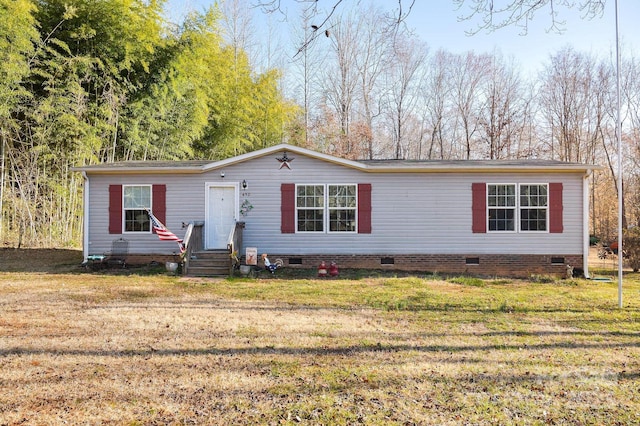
(94, 348)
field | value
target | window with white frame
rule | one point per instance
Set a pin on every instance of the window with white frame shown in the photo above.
(526, 204)
(342, 202)
(326, 208)
(501, 202)
(310, 208)
(136, 202)
(534, 203)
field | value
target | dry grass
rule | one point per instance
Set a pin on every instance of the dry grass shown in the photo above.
(83, 348)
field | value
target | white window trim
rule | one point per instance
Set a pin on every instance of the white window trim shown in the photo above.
(518, 208)
(515, 207)
(124, 209)
(326, 209)
(546, 231)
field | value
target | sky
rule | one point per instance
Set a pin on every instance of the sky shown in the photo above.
(440, 27)
(437, 23)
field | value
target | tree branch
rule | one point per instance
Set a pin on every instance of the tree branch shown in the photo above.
(520, 12)
(275, 6)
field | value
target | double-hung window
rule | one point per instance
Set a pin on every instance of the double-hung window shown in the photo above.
(310, 208)
(342, 208)
(534, 203)
(136, 202)
(520, 208)
(326, 208)
(501, 201)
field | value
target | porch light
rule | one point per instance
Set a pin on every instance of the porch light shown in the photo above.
(222, 174)
(244, 184)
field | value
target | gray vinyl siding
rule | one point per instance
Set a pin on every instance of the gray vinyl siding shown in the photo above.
(411, 212)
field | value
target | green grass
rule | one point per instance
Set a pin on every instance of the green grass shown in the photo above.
(472, 281)
(146, 348)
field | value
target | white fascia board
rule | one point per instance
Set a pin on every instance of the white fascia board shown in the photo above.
(139, 170)
(435, 168)
(284, 147)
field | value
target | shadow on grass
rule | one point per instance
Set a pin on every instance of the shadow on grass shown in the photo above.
(443, 308)
(324, 350)
(54, 261)
(64, 261)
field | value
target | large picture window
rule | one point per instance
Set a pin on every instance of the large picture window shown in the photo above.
(326, 208)
(510, 204)
(136, 202)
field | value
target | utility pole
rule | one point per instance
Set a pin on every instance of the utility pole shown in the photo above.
(620, 186)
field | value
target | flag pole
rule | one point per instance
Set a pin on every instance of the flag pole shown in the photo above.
(619, 140)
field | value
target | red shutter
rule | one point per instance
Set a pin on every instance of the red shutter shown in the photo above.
(115, 209)
(364, 208)
(159, 200)
(555, 208)
(479, 208)
(288, 208)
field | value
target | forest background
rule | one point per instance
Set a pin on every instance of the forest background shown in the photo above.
(85, 82)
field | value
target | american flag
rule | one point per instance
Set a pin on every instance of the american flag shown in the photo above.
(163, 233)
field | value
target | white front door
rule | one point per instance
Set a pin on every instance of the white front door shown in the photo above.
(221, 215)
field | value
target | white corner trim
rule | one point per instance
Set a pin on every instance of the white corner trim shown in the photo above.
(85, 219)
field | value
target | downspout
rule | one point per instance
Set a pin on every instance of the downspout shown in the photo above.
(85, 219)
(585, 223)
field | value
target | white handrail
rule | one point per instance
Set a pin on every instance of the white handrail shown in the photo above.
(187, 236)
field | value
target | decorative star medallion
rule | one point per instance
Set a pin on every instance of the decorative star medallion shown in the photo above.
(285, 161)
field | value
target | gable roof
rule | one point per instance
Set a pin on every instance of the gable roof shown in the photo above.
(373, 166)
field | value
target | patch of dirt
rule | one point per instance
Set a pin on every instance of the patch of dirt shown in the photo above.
(40, 260)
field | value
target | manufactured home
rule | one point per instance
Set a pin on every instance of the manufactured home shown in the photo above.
(478, 217)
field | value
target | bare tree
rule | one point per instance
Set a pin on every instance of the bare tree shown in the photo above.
(493, 16)
(371, 61)
(404, 76)
(633, 99)
(528, 133)
(306, 66)
(469, 72)
(326, 11)
(238, 25)
(438, 91)
(501, 117)
(577, 101)
(571, 105)
(340, 81)
(630, 137)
